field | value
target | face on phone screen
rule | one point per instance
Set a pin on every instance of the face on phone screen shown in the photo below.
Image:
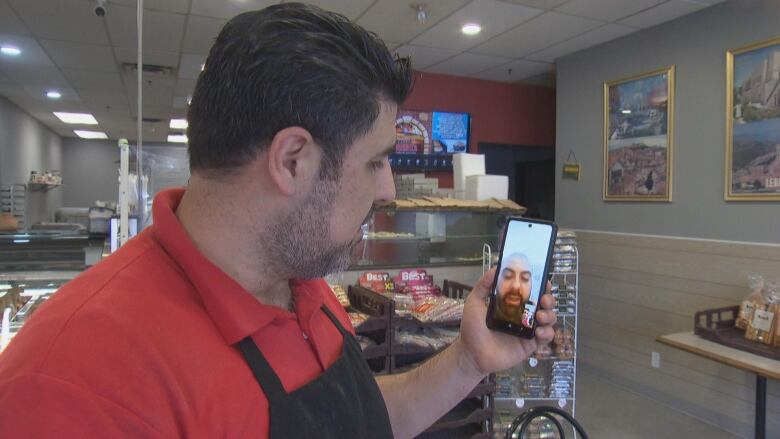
(520, 276)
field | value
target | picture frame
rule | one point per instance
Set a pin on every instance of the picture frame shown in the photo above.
(752, 169)
(639, 137)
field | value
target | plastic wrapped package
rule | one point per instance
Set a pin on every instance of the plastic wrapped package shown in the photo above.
(761, 326)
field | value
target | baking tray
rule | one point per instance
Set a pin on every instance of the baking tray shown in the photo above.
(717, 325)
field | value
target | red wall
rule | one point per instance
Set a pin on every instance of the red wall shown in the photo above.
(500, 112)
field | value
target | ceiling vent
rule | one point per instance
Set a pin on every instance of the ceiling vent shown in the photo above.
(149, 70)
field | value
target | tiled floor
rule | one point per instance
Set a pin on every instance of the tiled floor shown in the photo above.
(608, 411)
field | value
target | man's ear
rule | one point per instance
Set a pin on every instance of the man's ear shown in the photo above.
(293, 160)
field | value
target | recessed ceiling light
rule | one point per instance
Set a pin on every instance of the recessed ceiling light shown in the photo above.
(625, 111)
(471, 29)
(53, 94)
(177, 138)
(178, 124)
(10, 50)
(91, 134)
(76, 118)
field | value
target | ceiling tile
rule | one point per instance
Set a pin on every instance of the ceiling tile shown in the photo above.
(201, 33)
(467, 64)
(592, 38)
(12, 90)
(86, 79)
(184, 87)
(606, 10)
(180, 102)
(155, 57)
(352, 9)
(227, 8)
(39, 92)
(423, 57)
(539, 33)
(103, 97)
(32, 52)
(80, 56)
(154, 94)
(4, 78)
(69, 20)
(539, 4)
(115, 111)
(395, 20)
(495, 17)
(663, 13)
(180, 6)
(43, 109)
(515, 71)
(9, 22)
(35, 75)
(162, 30)
(189, 66)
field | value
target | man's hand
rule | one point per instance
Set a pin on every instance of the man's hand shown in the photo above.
(490, 351)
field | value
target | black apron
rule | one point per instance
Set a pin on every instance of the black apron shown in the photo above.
(343, 402)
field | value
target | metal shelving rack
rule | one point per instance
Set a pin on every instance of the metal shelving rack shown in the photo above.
(565, 288)
(12, 200)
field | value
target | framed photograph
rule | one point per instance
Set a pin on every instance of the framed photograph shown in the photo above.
(753, 122)
(638, 133)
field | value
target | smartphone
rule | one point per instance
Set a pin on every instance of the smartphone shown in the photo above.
(521, 276)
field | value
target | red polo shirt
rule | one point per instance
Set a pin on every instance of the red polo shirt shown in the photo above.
(142, 345)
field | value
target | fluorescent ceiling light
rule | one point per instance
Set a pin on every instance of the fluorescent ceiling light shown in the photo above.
(10, 51)
(625, 111)
(178, 124)
(91, 134)
(471, 29)
(53, 94)
(177, 138)
(76, 118)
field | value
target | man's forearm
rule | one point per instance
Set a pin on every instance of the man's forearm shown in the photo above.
(416, 399)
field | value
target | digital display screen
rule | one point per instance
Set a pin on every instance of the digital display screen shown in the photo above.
(450, 132)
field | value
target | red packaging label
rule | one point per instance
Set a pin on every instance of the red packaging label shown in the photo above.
(377, 281)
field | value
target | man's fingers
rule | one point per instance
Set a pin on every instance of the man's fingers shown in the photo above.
(546, 317)
(544, 334)
(482, 288)
(547, 301)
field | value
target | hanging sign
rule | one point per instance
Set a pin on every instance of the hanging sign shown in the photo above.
(571, 169)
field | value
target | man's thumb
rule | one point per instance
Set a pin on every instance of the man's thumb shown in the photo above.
(482, 288)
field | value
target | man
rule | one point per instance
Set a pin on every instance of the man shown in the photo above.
(214, 322)
(514, 289)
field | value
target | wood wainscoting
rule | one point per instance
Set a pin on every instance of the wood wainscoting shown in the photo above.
(634, 288)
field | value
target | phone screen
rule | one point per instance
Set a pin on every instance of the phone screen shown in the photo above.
(521, 274)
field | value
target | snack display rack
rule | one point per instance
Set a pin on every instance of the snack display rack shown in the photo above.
(549, 377)
(387, 354)
(12, 201)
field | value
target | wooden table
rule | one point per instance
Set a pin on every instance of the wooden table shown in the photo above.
(763, 367)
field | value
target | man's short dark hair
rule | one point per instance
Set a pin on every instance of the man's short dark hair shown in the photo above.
(290, 65)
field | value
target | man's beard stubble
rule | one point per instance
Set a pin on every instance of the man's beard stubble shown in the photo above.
(298, 245)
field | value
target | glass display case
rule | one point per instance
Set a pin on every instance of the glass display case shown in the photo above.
(428, 237)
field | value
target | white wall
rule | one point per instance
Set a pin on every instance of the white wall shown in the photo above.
(90, 169)
(696, 44)
(27, 145)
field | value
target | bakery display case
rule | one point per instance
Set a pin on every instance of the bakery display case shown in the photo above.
(420, 235)
(38, 250)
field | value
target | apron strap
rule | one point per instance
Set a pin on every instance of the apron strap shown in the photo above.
(262, 371)
(336, 323)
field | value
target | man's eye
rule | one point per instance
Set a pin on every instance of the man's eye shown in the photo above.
(376, 164)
